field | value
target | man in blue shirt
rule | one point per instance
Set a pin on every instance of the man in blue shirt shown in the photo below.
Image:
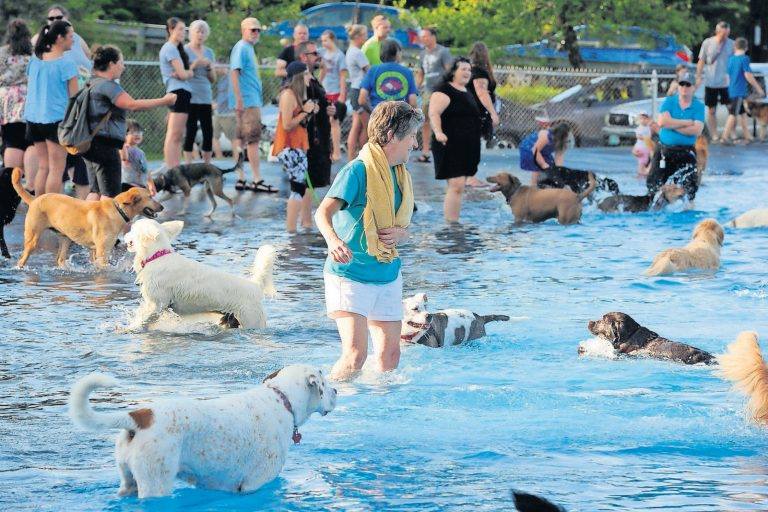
(245, 98)
(681, 118)
(388, 81)
(739, 74)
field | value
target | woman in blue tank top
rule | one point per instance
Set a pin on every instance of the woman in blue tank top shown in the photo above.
(543, 149)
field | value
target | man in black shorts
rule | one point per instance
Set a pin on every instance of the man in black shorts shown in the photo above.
(712, 71)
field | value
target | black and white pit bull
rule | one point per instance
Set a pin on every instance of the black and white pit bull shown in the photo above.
(630, 338)
(444, 328)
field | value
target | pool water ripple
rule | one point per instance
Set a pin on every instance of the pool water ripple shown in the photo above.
(452, 429)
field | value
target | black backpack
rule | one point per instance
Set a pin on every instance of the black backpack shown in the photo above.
(74, 132)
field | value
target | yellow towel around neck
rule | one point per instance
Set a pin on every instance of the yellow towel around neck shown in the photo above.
(379, 210)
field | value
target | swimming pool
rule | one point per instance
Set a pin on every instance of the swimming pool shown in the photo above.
(452, 429)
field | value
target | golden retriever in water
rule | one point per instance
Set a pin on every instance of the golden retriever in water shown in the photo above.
(743, 364)
(703, 251)
(92, 224)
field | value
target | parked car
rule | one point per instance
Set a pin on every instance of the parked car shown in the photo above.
(583, 107)
(336, 15)
(625, 45)
(621, 121)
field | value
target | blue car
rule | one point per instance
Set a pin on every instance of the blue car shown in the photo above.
(625, 45)
(334, 16)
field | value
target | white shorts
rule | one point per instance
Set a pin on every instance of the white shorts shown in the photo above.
(381, 302)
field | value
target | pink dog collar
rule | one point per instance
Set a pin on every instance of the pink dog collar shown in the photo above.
(158, 254)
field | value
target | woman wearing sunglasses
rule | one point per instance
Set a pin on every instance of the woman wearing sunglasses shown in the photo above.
(80, 52)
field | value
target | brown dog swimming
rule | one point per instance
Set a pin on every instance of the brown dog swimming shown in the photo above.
(630, 338)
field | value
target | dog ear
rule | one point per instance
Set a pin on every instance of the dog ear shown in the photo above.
(313, 381)
(133, 197)
(172, 228)
(271, 375)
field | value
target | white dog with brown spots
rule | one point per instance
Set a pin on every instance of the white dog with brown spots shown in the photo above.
(235, 443)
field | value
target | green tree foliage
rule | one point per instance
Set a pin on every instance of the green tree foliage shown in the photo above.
(501, 22)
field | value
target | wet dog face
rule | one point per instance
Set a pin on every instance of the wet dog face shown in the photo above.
(322, 396)
(504, 183)
(615, 327)
(137, 200)
(709, 230)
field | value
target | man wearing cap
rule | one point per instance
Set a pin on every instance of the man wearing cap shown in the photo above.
(712, 71)
(245, 98)
(318, 125)
(681, 119)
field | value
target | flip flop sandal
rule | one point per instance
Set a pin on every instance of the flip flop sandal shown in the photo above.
(260, 186)
(241, 185)
(424, 159)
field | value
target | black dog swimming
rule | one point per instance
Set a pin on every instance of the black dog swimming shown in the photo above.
(629, 337)
(9, 202)
(634, 204)
(576, 180)
(185, 176)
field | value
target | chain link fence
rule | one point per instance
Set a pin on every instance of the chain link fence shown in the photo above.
(601, 106)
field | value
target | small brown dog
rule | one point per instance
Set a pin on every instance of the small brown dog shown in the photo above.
(743, 364)
(703, 251)
(92, 224)
(759, 111)
(536, 204)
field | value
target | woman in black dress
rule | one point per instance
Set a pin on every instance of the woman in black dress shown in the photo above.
(455, 118)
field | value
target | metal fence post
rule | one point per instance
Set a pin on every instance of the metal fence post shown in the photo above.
(654, 93)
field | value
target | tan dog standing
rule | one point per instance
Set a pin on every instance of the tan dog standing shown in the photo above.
(92, 224)
(536, 204)
(703, 251)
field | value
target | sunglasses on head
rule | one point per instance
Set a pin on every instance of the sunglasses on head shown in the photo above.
(55, 18)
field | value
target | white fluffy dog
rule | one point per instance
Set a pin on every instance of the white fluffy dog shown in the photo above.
(168, 279)
(702, 252)
(236, 443)
(756, 218)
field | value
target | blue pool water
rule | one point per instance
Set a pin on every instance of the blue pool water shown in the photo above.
(452, 429)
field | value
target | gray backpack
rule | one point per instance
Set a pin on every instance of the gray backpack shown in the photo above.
(74, 132)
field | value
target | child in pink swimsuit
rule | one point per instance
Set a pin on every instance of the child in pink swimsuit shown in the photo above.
(643, 147)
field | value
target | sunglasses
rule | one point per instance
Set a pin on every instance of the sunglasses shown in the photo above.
(685, 84)
(311, 53)
(55, 18)
(254, 30)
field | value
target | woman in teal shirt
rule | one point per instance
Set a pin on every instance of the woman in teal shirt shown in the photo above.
(363, 290)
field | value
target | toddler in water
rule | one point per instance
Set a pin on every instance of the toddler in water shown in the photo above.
(134, 162)
(643, 147)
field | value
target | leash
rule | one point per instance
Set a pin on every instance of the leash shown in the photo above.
(121, 212)
(158, 254)
(287, 404)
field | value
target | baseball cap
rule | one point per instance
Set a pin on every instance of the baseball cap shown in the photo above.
(686, 78)
(294, 68)
(250, 23)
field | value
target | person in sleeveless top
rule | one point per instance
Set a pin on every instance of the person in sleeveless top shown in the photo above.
(543, 149)
(292, 142)
(200, 109)
(455, 118)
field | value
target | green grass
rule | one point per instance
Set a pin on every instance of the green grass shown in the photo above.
(527, 94)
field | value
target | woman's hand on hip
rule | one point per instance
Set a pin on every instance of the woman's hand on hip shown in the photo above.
(390, 237)
(339, 251)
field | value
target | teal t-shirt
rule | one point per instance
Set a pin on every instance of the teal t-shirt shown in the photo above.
(350, 186)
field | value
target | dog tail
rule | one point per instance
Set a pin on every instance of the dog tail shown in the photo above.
(661, 265)
(16, 182)
(743, 364)
(84, 416)
(263, 268)
(525, 502)
(237, 166)
(495, 318)
(590, 188)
